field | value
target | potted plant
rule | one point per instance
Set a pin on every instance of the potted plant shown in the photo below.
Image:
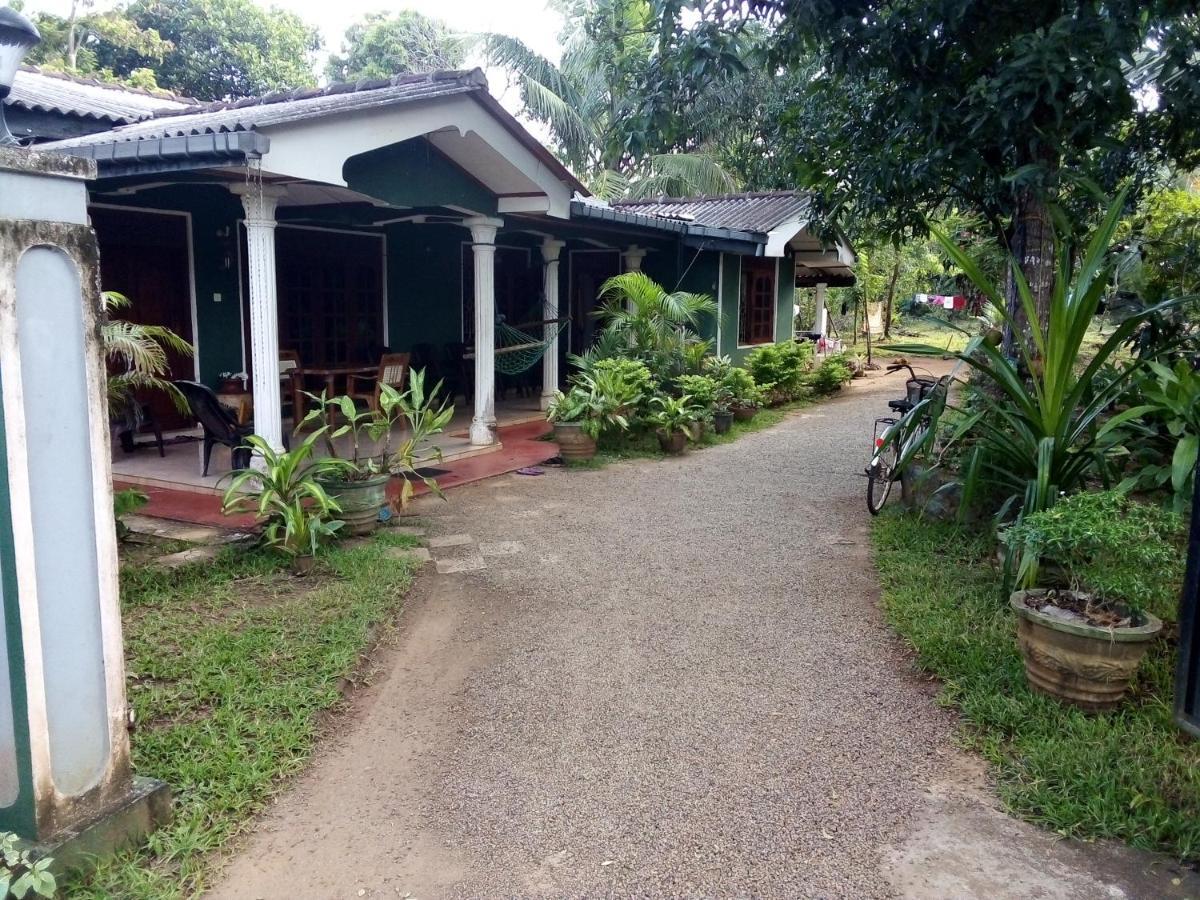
(363, 439)
(1082, 643)
(232, 383)
(722, 409)
(703, 391)
(286, 492)
(673, 418)
(594, 403)
(744, 393)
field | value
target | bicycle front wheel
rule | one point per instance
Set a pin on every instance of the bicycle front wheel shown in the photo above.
(879, 478)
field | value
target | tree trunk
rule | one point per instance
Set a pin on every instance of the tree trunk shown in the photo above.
(891, 299)
(1033, 249)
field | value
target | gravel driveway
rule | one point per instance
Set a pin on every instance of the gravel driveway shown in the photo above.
(655, 679)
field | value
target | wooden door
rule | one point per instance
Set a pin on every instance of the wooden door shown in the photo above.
(756, 313)
(330, 288)
(145, 257)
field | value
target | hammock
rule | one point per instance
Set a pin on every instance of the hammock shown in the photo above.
(517, 350)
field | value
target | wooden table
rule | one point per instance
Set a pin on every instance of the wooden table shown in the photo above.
(331, 374)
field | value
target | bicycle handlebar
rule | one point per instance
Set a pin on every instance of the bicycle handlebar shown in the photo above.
(896, 367)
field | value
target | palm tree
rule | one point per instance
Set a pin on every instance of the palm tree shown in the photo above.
(137, 357)
(589, 102)
(642, 321)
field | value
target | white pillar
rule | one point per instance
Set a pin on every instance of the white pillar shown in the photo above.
(260, 201)
(483, 237)
(632, 258)
(550, 251)
(821, 318)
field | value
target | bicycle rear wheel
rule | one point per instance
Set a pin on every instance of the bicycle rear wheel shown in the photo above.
(880, 474)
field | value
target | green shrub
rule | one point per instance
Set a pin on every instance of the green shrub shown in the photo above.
(833, 372)
(743, 390)
(702, 390)
(1108, 544)
(780, 368)
(627, 382)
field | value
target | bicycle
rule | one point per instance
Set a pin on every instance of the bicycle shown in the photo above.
(891, 444)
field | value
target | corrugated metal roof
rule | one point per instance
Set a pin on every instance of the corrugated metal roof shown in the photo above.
(52, 92)
(599, 211)
(284, 107)
(758, 212)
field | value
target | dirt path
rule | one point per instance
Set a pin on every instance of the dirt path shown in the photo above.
(660, 679)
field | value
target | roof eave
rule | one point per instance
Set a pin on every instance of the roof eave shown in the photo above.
(172, 154)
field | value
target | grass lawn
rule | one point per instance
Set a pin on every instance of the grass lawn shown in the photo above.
(644, 445)
(1130, 775)
(230, 665)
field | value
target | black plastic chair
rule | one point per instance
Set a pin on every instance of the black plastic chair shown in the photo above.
(218, 423)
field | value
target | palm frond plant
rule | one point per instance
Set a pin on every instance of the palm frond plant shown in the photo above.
(589, 103)
(641, 320)
(1046, 426)
(137, 357)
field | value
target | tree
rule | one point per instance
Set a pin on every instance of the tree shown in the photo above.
(594, 103)
(221, 49)
(73, 43)
(1166, 231)
(1006, 108)
(382, 44)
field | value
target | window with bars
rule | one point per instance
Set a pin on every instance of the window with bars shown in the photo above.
(756, 310)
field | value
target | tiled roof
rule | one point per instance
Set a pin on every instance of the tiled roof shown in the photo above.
(287, 106)
(53, 92)
(757, 212)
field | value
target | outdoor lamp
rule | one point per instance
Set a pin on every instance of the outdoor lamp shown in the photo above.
(17, 35)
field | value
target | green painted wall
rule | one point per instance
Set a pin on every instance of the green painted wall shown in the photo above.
(415, 174)
(424, 280)
(699, 273)
(785, 288)
(731, 280)
(20, 816)
(214, 213)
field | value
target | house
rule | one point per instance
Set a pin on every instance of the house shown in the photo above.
(413, 214)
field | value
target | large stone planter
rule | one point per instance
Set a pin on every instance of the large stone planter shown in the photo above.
(1088, 666)
(360, 502)
(573, 444)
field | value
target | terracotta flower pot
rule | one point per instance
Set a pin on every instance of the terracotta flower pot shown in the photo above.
(572, 442)
(722, 422)
(673, 442)
(744, 413)
(360, 502)
(1083, 664)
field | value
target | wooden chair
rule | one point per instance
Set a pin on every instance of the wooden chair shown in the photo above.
(291, 385)
(393, 371)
